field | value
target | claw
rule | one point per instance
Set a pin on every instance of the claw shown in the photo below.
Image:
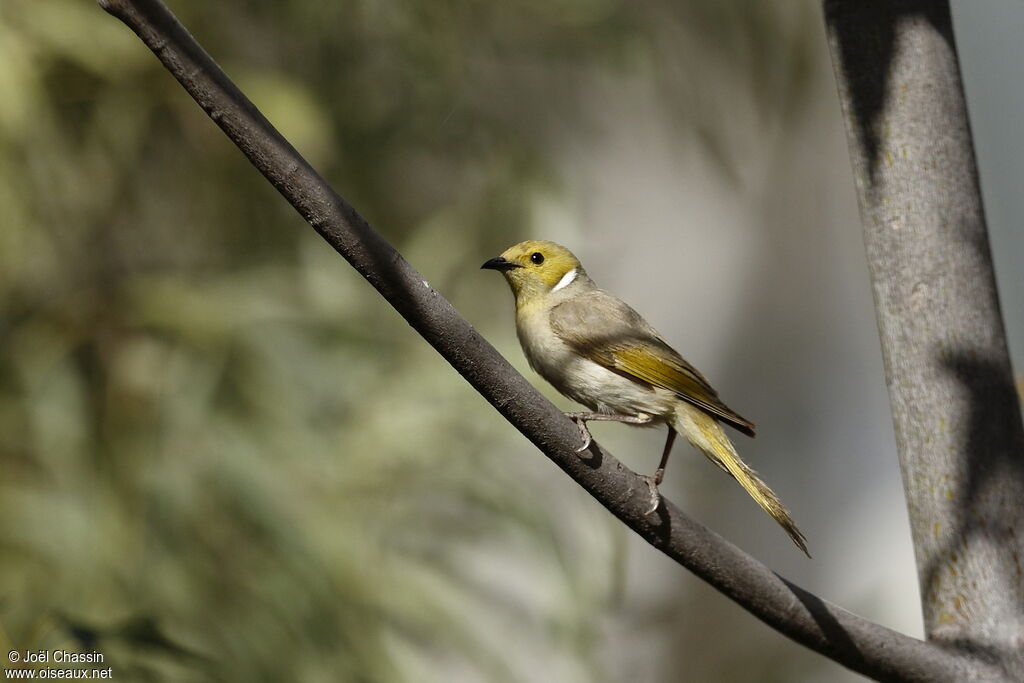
(652, 484)
(585, 433)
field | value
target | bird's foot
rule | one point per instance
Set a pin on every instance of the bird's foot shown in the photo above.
(584, 431)
(655, 494)
(653, 480)
(581, 421)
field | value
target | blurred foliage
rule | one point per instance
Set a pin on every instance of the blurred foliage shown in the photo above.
(223, 457)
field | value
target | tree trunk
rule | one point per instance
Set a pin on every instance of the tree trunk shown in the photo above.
(957, 417)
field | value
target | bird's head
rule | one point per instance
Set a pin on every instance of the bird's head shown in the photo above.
(536, 268)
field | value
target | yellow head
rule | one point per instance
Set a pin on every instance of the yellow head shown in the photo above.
(535, 267)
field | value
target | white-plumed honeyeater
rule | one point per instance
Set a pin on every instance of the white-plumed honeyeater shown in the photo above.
(599, 352)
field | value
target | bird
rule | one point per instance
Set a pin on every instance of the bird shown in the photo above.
(599, 352)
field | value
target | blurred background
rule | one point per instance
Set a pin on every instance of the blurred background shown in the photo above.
(224, 457)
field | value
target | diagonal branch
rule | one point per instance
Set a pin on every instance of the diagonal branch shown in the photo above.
(859, 644)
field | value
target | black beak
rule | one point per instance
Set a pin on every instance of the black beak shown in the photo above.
(500, 263)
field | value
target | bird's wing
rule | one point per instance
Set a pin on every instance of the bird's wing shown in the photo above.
(600, 327)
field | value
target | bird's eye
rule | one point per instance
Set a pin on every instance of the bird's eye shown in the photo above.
(537, 257)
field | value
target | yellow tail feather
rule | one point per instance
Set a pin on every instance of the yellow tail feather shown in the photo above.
(701, 430)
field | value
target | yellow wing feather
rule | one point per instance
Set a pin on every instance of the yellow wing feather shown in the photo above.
(605, 330)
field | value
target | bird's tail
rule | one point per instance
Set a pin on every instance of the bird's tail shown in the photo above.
(707, 436)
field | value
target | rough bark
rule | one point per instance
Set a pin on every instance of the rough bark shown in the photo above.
(957, 417)
(857, 643)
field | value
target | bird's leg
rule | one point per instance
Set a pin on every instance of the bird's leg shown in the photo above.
(660, 473)
(581, 420)
(654, 481)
